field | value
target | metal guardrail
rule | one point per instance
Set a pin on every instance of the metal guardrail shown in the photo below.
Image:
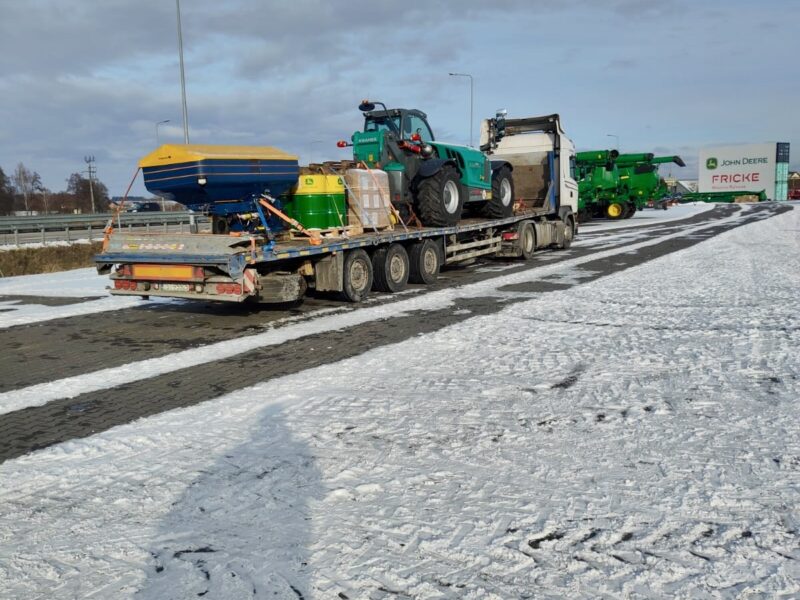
(99, 220)
(50, 228)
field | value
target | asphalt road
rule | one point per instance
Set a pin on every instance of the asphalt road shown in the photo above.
(38, 353)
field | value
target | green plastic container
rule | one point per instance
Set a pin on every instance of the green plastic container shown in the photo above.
(318, 202)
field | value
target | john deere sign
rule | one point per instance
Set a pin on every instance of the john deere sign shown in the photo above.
(750, 167)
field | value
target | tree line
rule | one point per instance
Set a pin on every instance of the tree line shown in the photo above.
(22, 191)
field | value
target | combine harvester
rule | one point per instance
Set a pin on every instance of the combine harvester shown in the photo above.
(405, 206)
(616, 185)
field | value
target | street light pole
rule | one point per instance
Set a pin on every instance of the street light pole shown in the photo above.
(471, 98)
(183, 78)
(157, 124)
(614, 136)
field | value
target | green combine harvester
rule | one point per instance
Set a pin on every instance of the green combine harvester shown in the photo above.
(615, 186)
(598, 180)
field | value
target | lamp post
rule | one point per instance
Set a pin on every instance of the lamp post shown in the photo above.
(614, 136)
(471, 98)
(158, 143)
(183, 78)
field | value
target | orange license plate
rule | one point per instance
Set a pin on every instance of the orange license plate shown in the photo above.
(167, 272)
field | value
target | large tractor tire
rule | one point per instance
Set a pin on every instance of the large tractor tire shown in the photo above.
(615, 210)
(426, 261)
(502, 203)
(440, 198)
(390, 268)
(357, 276)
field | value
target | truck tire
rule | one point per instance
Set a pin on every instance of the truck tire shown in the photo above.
(440, 198)
(569, 232)
(426, 261)
(356, 276)
(502, 203)
(390, 268)
(526, 238)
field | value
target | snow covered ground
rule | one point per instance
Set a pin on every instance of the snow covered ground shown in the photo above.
(636, 436)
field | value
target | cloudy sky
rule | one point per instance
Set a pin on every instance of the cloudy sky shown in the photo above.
(81, 77)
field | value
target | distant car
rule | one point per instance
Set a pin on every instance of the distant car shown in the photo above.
(142, 207)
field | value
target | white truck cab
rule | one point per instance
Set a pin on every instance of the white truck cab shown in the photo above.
(542, 156)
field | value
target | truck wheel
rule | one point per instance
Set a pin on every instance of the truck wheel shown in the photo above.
(569, 232)
(357, 276)
(426, 260)
(440, 198)
(502, 203)
(526, 236)
(390, 268)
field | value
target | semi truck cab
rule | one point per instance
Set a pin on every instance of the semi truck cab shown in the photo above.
(542, 155)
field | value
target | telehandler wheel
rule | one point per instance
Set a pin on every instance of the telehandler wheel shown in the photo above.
(526, 236)
(502, 203)
(615, 210)
(426, 261)
(440, 198)
(357, 276)
(569, 233)
(390, 268)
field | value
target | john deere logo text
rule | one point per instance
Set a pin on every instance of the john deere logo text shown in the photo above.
(711, 164)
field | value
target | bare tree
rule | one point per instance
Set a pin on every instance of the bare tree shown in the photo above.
(26, 182)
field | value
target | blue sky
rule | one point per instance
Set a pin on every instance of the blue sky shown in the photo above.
(671, 76)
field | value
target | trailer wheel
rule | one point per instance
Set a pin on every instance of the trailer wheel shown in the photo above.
(390, 268)
(569, 232)
(440, 198)
(502, 203)
(357, 276)
(426, 261)
(526, 239)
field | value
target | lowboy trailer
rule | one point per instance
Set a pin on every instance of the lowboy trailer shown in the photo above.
(228, 268)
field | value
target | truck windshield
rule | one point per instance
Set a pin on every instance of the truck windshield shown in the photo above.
(382, 124)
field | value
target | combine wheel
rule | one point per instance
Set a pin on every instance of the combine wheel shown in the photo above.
(426, 260)
(569, 232)
(630, 210)
(615, 210)
(357, 276)
(390, 268)
(502, 203)
(440, 198)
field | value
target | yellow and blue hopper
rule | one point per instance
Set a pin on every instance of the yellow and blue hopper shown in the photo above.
(217, 179)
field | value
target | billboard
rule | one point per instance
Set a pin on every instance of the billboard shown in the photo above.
(747, 167)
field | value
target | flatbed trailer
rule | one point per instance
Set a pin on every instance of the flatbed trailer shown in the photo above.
(239, 268)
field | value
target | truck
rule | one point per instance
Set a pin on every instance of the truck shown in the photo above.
(256, 252)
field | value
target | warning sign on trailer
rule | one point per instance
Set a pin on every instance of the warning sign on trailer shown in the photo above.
(748, 167)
